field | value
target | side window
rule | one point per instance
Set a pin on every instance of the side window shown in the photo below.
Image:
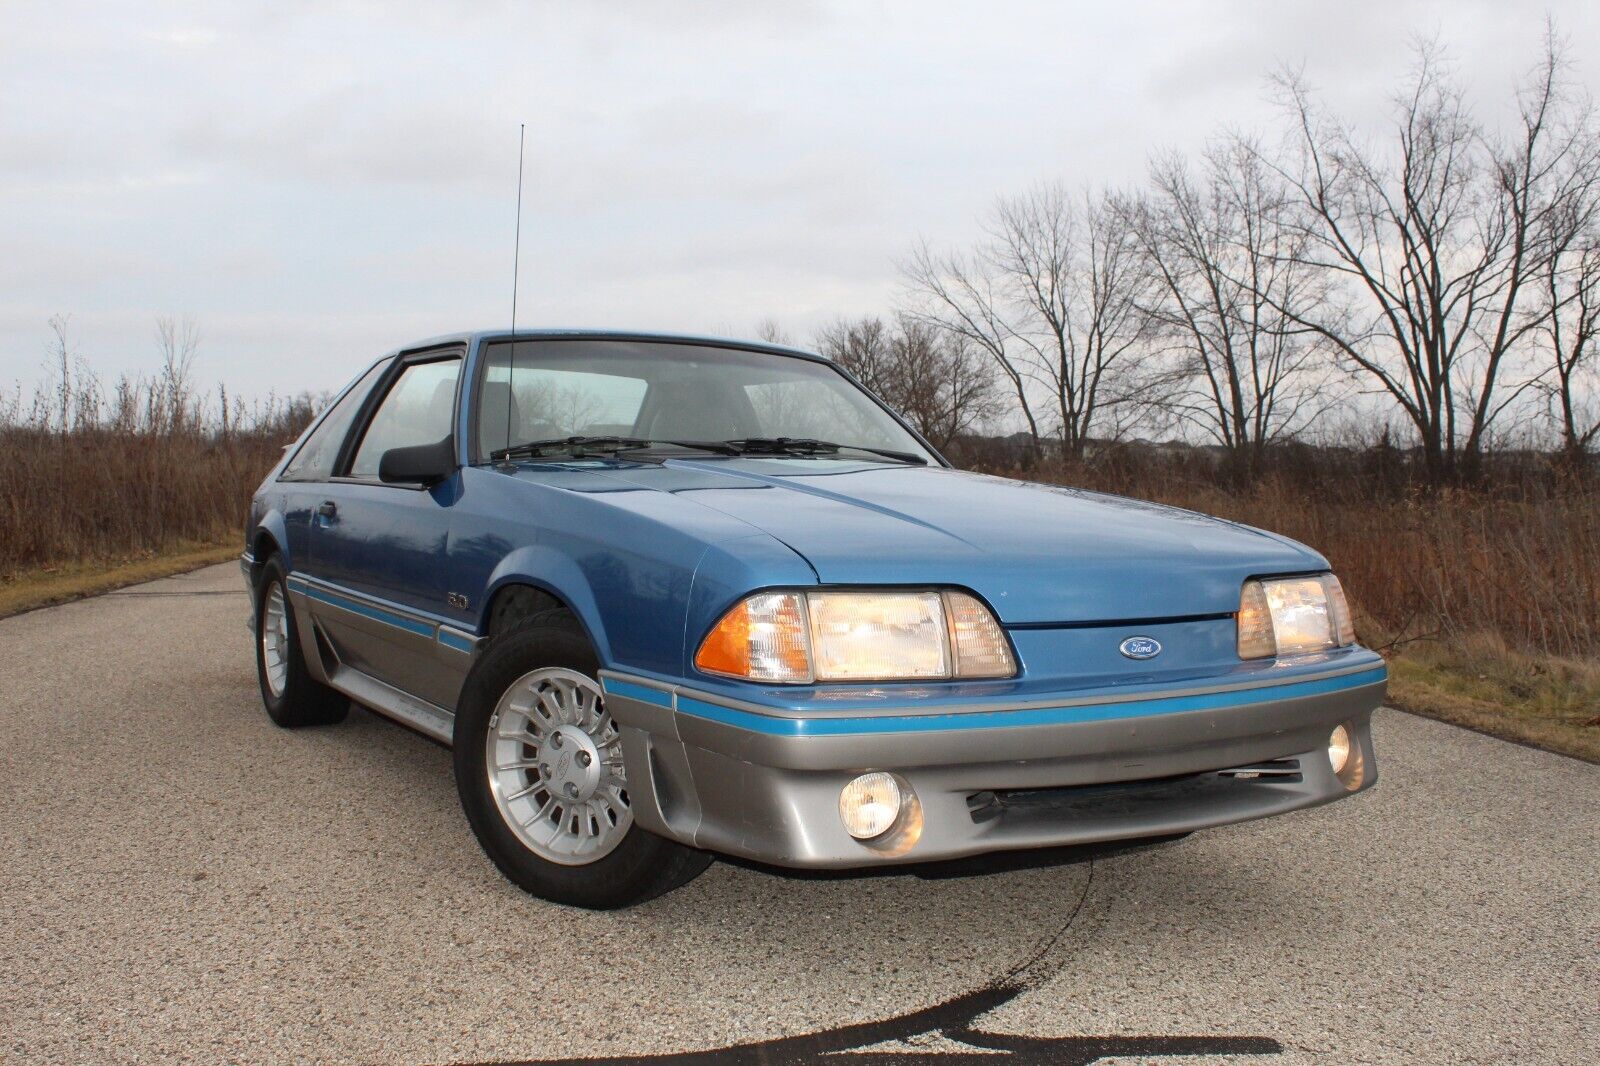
(314, 461)
(418, 409)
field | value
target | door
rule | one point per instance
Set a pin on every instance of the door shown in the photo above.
(304, 480)
(378, 551)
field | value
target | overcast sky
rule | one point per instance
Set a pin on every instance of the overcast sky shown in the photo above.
(317, 183)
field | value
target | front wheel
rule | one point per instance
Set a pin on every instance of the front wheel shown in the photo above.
(539, 769)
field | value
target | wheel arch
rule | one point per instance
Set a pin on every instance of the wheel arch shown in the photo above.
(269, 537)
(541, 572)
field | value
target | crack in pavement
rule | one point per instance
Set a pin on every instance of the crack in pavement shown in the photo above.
(950, 1024)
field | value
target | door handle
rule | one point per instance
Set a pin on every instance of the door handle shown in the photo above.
(329, 509)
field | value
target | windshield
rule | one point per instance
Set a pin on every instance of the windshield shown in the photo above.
(547, 389)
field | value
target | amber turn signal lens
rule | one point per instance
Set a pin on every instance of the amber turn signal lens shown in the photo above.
(762, 638)
(1256, 639)
(1343, 622)
(979, 644)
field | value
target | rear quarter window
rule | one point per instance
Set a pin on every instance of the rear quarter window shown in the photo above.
(316, 456)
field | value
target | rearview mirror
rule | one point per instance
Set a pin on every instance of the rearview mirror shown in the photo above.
(420, 464)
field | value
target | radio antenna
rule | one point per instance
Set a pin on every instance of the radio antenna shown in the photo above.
(516, 265)
(516, 255)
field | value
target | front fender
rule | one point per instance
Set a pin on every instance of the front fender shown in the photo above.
(545, 568)
(643, 617)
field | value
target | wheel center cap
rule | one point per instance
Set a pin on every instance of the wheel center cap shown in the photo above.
(573, 763)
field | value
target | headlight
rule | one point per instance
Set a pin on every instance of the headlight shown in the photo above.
(799, 637)
(1293, 616)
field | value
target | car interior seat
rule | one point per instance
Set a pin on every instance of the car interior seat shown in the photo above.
(500, 424)
(690, 411)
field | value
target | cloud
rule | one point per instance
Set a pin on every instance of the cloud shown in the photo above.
(184, 36)
(319, 182)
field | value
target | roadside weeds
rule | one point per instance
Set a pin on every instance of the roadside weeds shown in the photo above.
(73, 581)
(1478, 683)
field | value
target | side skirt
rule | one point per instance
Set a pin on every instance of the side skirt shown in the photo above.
(450, 649)
(435, 723)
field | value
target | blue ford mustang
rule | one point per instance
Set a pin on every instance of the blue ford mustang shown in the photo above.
(667, 596)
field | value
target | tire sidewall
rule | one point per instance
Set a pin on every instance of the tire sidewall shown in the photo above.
(272, 573)
(304, 701)
(610, 881)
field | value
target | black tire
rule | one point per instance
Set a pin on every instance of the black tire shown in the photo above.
(641, 867)
(304, 700)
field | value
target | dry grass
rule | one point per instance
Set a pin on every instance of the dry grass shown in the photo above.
(61, 584)
(1485, 600)
(98, 496)
(151, 469)
(1479, 683)
(1518, 557)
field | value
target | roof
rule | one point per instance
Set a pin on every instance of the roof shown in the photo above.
(608, 334)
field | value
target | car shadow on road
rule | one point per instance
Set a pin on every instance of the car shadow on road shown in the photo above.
(998, 862)
(950, 1033)
(948, 1037)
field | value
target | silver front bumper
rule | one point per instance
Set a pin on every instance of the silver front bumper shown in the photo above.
(247, 567)
(768, 794)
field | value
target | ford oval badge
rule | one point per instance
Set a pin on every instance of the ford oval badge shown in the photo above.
(1140, 647)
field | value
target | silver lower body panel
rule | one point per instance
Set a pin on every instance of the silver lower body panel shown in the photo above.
(775, 799)
(338, 644)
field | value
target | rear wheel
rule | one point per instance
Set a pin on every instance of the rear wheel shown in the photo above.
(290, 694)
(540, 773)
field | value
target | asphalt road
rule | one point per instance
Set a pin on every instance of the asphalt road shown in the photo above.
(180, 880)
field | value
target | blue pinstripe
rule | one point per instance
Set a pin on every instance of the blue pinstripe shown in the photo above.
(1024, 716)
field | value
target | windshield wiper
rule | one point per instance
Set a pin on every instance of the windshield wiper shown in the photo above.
(809, 446)
(580, 446)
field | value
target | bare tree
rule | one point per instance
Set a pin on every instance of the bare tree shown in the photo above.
(179, 340)
(864, 347)
(961, 295)
(936, 380)
(771, 331)
(954, 386)
(61, 364)
(1229, 260)
(1570, 331)
(1437, 238)
(1052, 297)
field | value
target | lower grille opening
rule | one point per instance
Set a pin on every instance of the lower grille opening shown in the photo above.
(988, 805)
(1283, 770)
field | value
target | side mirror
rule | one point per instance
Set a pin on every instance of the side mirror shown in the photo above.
(420, 464)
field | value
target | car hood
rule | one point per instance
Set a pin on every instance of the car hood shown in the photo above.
(1037, 553)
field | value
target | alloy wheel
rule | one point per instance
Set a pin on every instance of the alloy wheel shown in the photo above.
(275, 641)
(554, 760)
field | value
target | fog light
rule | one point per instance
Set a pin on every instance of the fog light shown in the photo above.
(1339, 748)
(869, 805)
